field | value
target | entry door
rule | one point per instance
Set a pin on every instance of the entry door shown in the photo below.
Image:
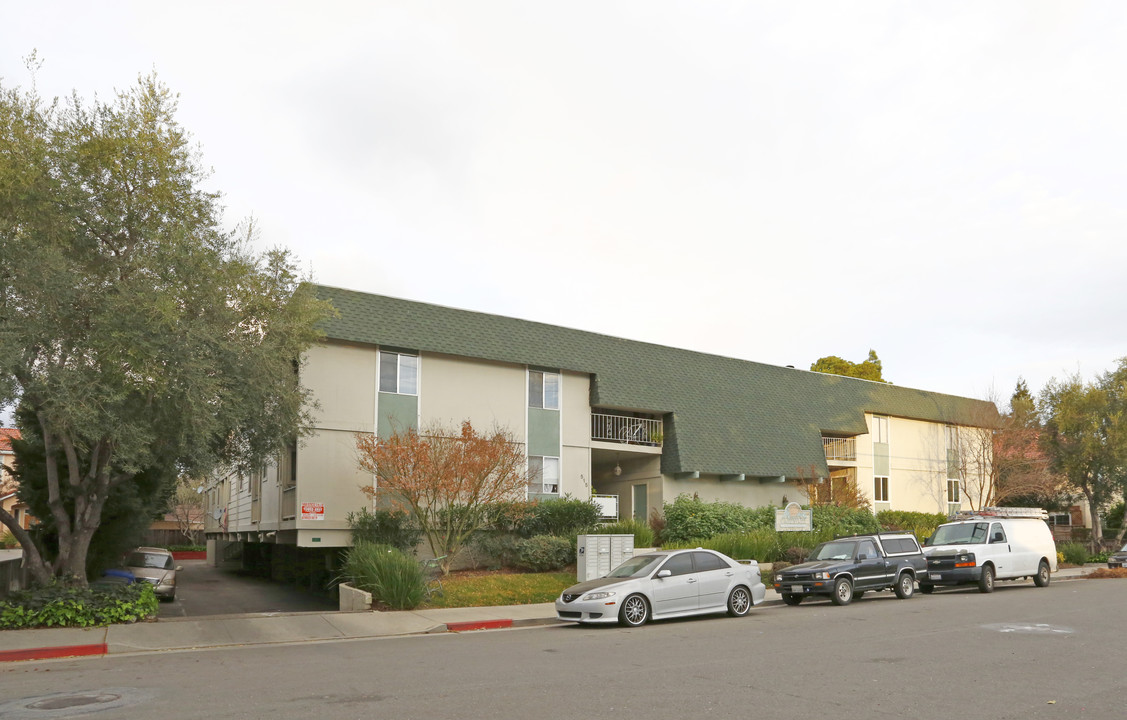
(641, 504)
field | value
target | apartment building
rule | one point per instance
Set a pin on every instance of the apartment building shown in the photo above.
(632, 423)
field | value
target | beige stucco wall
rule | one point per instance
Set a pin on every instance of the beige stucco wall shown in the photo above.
(918, 464)
(749, 492)
(575, 435)
(488, 394)
(342, 379)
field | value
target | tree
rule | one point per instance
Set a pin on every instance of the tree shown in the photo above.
(1086, 436)
(135, 333)
(870, 369)
(188, 508)
(445, 478)
(999, 459)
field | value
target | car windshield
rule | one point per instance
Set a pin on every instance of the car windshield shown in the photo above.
(149, 560)
(960, 533)
(1123, 549)
(833, 551)
(636, 566)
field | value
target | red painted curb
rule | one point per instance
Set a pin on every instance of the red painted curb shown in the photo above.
(480, 625)
(53, 652)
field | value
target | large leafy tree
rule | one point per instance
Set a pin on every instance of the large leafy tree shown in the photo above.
(134, 330)
(1086, 436)
(868, 369)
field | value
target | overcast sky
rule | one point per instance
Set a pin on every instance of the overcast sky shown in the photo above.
(942, 182)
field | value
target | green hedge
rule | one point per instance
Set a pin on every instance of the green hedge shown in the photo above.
(545, 553)
(396, 528)
(642, 532)
(60, 606)
(920, 524)
(688, 517)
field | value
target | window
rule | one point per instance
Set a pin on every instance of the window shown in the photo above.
(544, 390)
(707, 561)
(543, 475)
(1060, 519)
(399, 373)
(679, 564)
(953, 492)
(867, 548)
(880, 489)
(880, 429)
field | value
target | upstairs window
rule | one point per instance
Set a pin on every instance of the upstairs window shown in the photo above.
(880, 429)
(399, 373)
(544, 390)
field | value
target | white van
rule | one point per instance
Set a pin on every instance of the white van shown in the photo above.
(991, 544)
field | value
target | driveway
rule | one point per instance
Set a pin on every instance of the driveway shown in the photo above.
(203, 590)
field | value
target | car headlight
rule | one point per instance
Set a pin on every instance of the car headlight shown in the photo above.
(598, 596)
(822, 576)
(778, 578)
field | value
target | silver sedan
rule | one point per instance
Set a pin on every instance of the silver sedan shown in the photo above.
(665, 584)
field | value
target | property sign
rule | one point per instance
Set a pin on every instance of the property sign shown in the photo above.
(313, 511)
(794, 519)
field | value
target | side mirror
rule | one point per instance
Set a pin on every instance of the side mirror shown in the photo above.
(663, 574)
(862, 556)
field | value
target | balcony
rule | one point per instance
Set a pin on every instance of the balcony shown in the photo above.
(841, 449)
(626, 430)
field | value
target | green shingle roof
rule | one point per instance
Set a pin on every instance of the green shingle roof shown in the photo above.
(728, 416)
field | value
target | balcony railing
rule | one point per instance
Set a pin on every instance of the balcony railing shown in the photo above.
(840, 448)
(629, 430)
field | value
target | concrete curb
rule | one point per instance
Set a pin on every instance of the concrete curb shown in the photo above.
(341, 626)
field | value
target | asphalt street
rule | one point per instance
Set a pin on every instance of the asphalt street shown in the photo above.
(1021, 652)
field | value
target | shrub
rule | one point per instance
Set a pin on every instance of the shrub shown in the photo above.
(61, 606)
(385, 527)
(643, 534)
(495, 550)
(509, 517)
(657, 524)
(1113, 518)
(1073, 553)
(920, 524)
(795, 555)
(393, 577)
(8, 540)
(544, 553)
(561, 516)
(840, 520)
(186, 548)
(689, 517)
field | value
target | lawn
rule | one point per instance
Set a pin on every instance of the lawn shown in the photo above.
(484, 589)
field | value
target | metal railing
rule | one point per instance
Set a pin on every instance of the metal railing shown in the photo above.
(840, 448)
(629, 430)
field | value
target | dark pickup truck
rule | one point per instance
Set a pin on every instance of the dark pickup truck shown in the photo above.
(848, 567)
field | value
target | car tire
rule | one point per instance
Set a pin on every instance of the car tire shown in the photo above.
(739, 601)
(635, 611)
(1041, 579)
(790, 599)
(858, 594)
(986, 581)
(927, 588)
(905, 586)
(842, 592)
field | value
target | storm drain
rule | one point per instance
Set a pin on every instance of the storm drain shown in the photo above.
(71, 704)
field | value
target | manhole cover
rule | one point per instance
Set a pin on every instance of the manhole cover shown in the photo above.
(71, 704)
(1029, 629)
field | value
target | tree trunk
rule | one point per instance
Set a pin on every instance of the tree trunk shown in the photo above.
(32, 559)
(1096, 538)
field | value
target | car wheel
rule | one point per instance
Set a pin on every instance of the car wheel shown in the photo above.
(927, 588)
(843, 591)
(986, 582)
(905, 586)
(1041, 579)
(792, 599)
(858, 594)
(635, 611)
(739, 601)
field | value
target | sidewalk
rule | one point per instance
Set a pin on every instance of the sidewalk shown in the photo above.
(272, 628)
